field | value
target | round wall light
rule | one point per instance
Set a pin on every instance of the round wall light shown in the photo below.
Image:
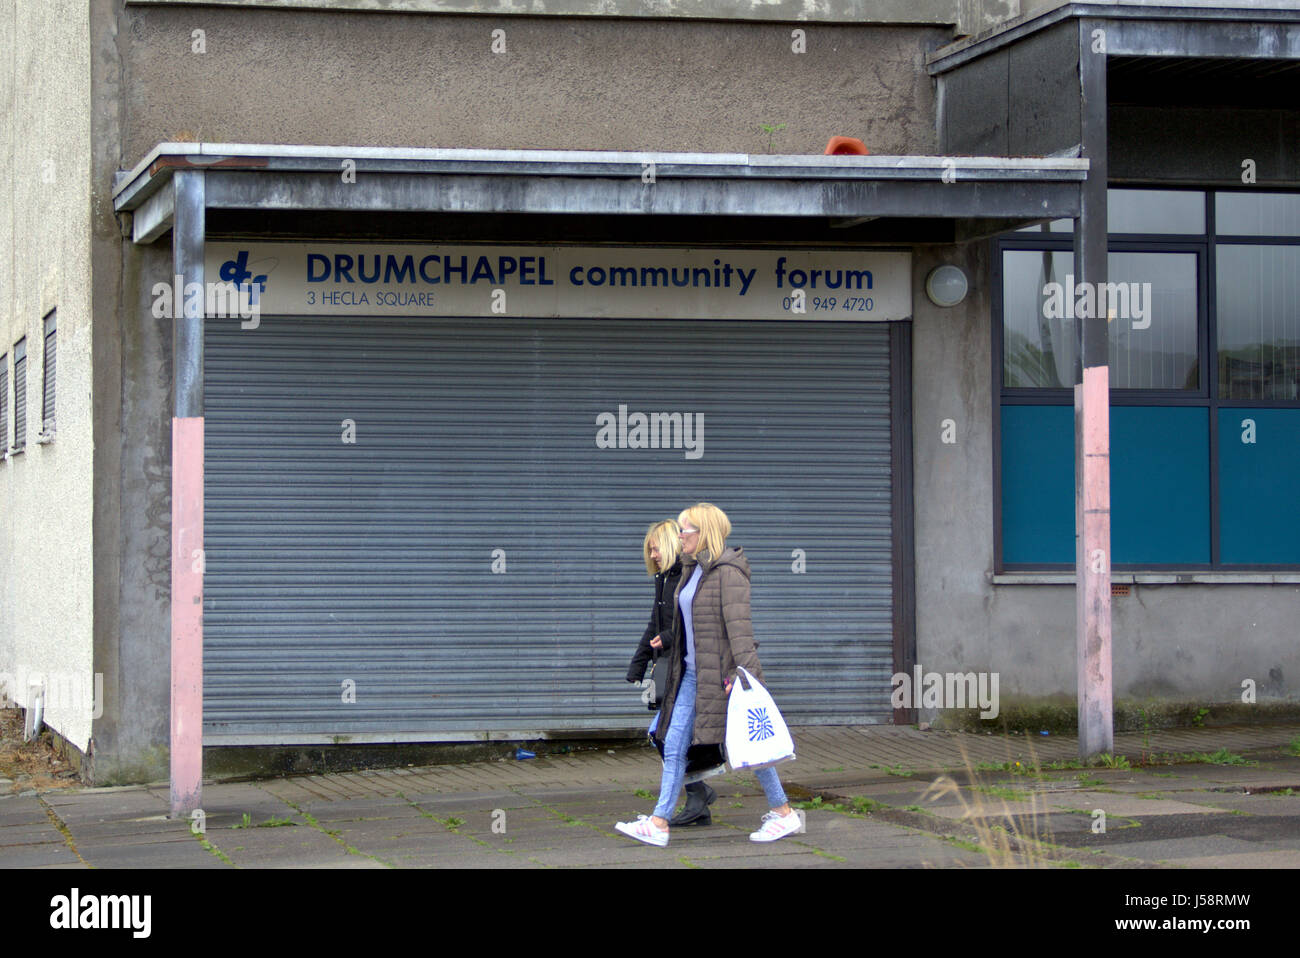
(946, 285)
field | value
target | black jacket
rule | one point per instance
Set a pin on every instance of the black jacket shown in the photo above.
(661, 621)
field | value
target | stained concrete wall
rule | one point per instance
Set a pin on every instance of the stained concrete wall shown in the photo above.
(374, 79)
(1176, 643)
(46, 569)
(970, 16)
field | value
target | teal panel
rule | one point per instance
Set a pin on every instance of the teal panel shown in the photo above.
(1038, 484)
(1259, 486)
(1160, 485)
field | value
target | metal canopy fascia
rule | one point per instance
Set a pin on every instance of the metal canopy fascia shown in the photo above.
(1150, 30)
(288, 178)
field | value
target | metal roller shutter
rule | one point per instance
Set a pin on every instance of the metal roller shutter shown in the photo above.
(372, 562)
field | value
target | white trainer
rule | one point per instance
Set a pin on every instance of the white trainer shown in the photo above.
(776, 826)
(644, 830)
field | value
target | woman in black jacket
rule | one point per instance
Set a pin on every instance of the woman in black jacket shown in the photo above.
(661, 551)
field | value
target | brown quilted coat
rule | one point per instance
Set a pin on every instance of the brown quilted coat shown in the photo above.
(724, 638)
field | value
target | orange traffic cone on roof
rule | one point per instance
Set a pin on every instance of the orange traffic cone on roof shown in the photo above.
(845, 146)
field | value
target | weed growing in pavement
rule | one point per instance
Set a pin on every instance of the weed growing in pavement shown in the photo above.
(1293, 746)
(642, 793)
(1061, 766)
(209, 847)
(1199, 718)
(246, 823)
(1087, 781)
(822, 854)
(969, 846)
(453, 823)
(999, 791)
(865, 806)
(1221, 757)
(858, 806)
(818, 805)
(1008, 840)
(1114, 761)
(1016, 768)
(1146, 736)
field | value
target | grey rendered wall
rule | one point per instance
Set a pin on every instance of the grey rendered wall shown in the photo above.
(132, 438)
(1021, 100)
(970, 16)
(1172, 644)
(133, 638)
(378, 79)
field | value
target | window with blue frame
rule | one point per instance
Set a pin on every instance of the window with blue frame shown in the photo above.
(1204, 319)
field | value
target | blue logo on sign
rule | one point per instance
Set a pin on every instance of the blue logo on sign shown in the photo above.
(236, 271)
(760, 725)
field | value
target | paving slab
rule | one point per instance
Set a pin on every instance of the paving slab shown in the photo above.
(86, 803)
(352, 861)
(1258, 804)
(22, 811)
(79, 866)
(28, 835)
(85, 839)
(327, 813)
(259, 847)
(1258, 859)
(1130, 806)
(151, 855)
(1175, 850)
(31, 856)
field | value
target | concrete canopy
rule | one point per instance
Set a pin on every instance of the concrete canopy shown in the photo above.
(959, 198)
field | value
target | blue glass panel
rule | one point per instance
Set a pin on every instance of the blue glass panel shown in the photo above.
(1038, 484)
(1160, 485)
(1259, 486)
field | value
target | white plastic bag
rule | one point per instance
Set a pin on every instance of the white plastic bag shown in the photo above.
(757, 736)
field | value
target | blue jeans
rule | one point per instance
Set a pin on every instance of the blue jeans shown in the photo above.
(678, 739)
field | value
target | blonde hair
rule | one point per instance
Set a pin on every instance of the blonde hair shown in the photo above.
(713, 524)
(663, 535)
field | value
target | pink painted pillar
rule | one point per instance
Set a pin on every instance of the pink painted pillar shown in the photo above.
(188, 232)
(187, 616)
(1092, 416)
(1092, 557)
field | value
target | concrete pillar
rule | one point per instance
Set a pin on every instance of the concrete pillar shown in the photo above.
(187, 498)
(1092, 419)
